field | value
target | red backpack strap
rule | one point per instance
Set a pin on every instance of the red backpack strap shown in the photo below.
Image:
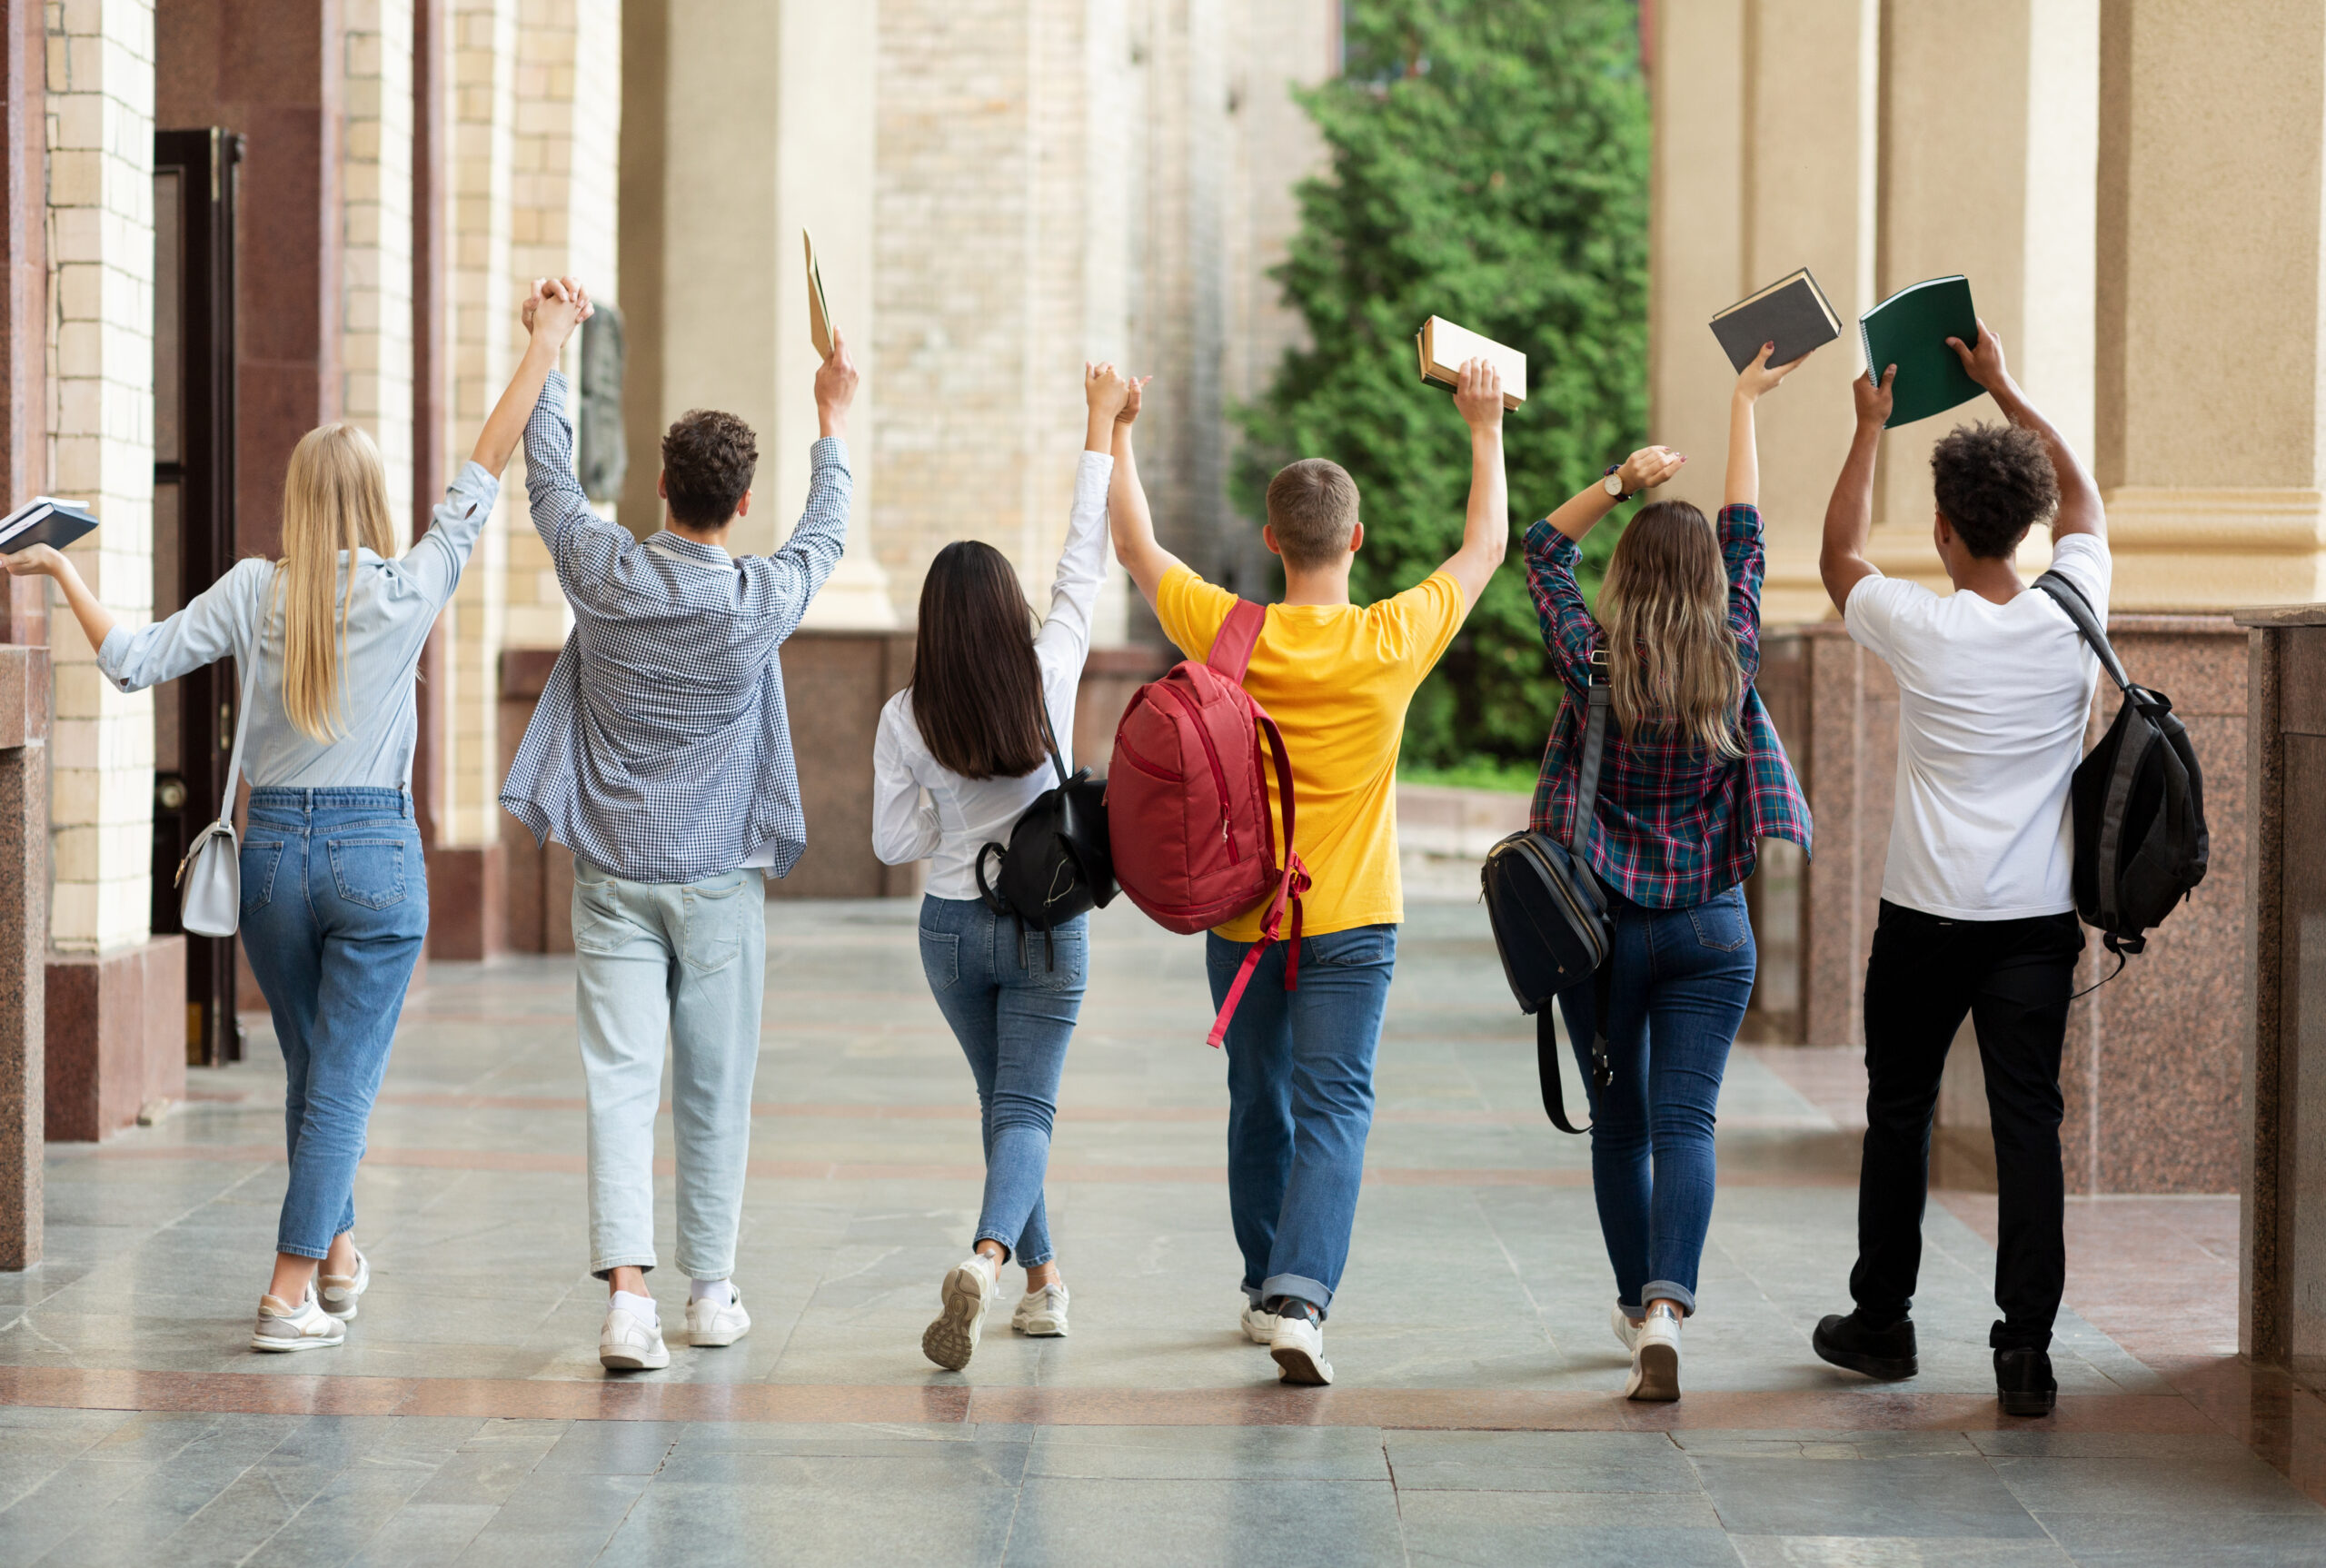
(1232, 645)
(1292, 882)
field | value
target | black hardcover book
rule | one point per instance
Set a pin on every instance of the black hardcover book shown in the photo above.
(1791, 312)
(44, 520)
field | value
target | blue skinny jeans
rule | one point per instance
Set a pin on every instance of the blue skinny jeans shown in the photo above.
(1011, 995)
(334, 909)
(1681, 983)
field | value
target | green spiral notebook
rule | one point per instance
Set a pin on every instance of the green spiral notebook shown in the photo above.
(1910, 330)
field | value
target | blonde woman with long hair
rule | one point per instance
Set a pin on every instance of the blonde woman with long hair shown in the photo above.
(334, 902)
(1691, 779)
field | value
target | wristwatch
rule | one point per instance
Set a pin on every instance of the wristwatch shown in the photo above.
(1615, 485)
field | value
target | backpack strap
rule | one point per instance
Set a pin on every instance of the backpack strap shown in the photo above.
(1050, 738)
(1290, 884)
(1595, 749)
(2071, 599)
(1232, 645)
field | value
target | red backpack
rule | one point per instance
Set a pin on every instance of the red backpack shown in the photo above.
(1187, 809)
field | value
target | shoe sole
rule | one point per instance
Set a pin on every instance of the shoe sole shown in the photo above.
(2027, 1404)
(952, 1339)
(285, 1347)
(1882, 1368)
(1041, 1330)
(1659, 1376)
(1296, 1366)
(624, 1361)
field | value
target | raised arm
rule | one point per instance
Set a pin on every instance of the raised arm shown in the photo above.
(2080, 509)
(1849, 516)
(1485, 525)
(1074, 591)
(1743, 486)
(556, 306)
(1643, 470)
(1128, 518)
(780, 587)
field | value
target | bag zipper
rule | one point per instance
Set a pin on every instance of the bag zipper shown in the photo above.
(1211, 755)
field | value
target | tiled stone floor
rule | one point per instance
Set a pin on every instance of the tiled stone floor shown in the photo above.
(1476, 1420)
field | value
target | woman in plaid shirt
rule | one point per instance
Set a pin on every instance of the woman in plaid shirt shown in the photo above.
(1693, 779)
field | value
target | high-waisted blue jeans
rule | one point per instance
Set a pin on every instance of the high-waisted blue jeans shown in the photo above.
(334, 909)
(1011, 995)
(1681, 983)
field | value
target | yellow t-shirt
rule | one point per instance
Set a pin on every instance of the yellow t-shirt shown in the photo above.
(1336, 680)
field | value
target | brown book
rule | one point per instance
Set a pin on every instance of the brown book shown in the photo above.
(1442, 347)
(820, 309)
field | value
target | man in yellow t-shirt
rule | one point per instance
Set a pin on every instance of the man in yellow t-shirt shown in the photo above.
(1336, 678)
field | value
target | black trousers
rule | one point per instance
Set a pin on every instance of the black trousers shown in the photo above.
(2014, 979)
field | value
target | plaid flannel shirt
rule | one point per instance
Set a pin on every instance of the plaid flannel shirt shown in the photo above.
(1673, 826)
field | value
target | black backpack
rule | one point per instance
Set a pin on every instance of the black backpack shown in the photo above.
(2138, 801)
(1057, 864)
(1550, 921)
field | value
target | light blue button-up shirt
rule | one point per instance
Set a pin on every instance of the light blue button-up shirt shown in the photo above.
(389, 608)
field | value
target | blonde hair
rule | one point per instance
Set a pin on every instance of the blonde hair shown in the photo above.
(334, 502)
(1672, 661)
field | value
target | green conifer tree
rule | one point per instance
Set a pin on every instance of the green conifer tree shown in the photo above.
(1489, 164)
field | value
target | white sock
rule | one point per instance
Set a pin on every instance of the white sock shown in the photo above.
(639, 1307)
(718, 1290)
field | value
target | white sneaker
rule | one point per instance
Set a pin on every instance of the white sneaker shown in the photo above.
(1299, 1346)
(1626, 1331)
(1656, 1358)
(306, 1326)
(1041, 1313)
(966, 1293)
(628, 1342)
(340, 1290)
(1260, 1327)
(712, 1323)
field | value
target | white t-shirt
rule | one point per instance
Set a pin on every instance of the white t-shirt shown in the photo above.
(923, 811)
(1992, 700)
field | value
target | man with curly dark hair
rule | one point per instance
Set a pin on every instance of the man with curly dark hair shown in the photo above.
(661, 754)
(1978, 916)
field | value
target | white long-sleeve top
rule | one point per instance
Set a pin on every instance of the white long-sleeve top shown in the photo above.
(962, 816)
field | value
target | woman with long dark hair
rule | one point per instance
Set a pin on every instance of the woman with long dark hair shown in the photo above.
(1691, 779)
(960, 754)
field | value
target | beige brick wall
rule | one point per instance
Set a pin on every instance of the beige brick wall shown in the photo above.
(376, 268)
(101, 296)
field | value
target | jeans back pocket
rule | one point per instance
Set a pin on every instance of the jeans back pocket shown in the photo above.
(1720, 923)
(941, 958)
(369, 872)
(714, 914)
(258, 865)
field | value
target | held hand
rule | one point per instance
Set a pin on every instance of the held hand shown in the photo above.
(1761, 377)
(835, 386)
(1874, 402)
(1106, 389)
(1478, 393)
(1983, 361)
(552, 314)
(1129, 412)
(35, 561)
(1647, 468)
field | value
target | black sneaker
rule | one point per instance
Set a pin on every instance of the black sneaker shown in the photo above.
(1888, 1354)
(2024, 1384)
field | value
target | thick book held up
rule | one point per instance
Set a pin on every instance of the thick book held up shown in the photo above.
(1910, 330)
(1791, 312)
(1442, 348)
(45, 520)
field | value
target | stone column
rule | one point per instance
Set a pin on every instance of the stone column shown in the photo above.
(375, 227)
(2212, 359)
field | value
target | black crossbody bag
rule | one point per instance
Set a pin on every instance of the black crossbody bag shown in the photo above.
(1057, 864)
(1550, 921)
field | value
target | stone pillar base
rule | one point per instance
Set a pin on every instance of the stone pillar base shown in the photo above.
(117, 1037)
(467, 903)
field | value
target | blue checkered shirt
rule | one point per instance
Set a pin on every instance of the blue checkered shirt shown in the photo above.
(660, 749)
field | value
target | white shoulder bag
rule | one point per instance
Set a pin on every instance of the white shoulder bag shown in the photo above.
(210, 877)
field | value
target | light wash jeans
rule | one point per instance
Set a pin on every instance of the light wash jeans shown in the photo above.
(1012, 995)
(1682, 981)
(334, 909)
(689, 960)
(1300, 1103)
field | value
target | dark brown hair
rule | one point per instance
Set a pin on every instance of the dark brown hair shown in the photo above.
(977, 686)
(1993, 482)
(1312, 506)
(708, 461)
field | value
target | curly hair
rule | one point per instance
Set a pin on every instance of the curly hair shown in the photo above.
(708, 461)
(1993, 482)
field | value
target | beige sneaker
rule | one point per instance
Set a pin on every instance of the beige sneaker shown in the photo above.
(1041, 1313)
(967, 1294)
(306, 1326)
(340, 1290)
(1656, 1358)
(1260, 1327)
(1299, 1351)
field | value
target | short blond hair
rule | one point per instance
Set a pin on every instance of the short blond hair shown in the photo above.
(1312, 507)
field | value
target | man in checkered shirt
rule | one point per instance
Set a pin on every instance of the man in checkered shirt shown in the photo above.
(661, 755)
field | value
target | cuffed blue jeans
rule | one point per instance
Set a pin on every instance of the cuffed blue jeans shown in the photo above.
(1300, 1103)
(685, 960)
(334, 908)
(1011, 995)
(1681, 982)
